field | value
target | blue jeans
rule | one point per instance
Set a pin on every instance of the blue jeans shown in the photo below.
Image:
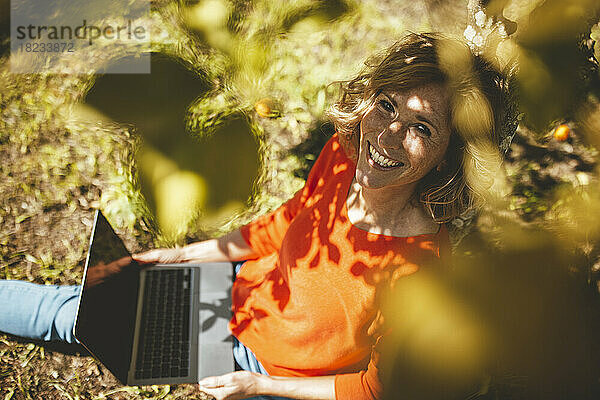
(47, 312)
(41, 312)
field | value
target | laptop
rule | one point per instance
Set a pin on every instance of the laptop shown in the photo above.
(153, 324)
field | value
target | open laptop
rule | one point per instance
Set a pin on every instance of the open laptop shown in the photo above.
(157, 324)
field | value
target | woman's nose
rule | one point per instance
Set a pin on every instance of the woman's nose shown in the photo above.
(393, 136)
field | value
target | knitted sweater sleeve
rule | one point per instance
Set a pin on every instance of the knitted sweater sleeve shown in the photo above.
(362, 385)
(265, 234)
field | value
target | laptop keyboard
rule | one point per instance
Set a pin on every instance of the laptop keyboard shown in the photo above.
(164, 349)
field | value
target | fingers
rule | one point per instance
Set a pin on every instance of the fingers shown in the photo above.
(215, 387)
(158, 256)
(140, 258)
(211, 382)
(232, 386)
(145, 257)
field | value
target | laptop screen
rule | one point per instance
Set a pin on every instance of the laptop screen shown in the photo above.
(107, 309)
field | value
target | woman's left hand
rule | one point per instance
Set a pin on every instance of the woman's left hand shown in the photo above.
(232, 386)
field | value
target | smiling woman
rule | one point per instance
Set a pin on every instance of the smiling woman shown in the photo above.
(432, 91)
(306, 302)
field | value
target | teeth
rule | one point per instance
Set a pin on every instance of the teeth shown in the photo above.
(381, 160)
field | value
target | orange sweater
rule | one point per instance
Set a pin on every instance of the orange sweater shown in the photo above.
(308, 305)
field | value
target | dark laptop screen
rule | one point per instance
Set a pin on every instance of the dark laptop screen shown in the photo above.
(106, 318)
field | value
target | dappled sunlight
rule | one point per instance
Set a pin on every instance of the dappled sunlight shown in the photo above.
(416, 103)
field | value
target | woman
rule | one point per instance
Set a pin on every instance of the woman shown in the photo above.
(306, 309)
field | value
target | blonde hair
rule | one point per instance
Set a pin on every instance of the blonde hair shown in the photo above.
(480, 104)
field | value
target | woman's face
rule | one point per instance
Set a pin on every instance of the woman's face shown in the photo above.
(403, 136)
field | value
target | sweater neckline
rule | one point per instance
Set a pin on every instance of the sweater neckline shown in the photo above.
(344, 211)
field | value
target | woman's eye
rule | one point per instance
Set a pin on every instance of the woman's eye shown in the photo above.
(422, 129)
(386, 105)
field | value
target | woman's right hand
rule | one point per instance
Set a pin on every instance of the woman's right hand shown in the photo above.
(231, 247)
(160, 256)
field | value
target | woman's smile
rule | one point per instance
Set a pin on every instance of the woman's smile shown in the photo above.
(379, 161)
